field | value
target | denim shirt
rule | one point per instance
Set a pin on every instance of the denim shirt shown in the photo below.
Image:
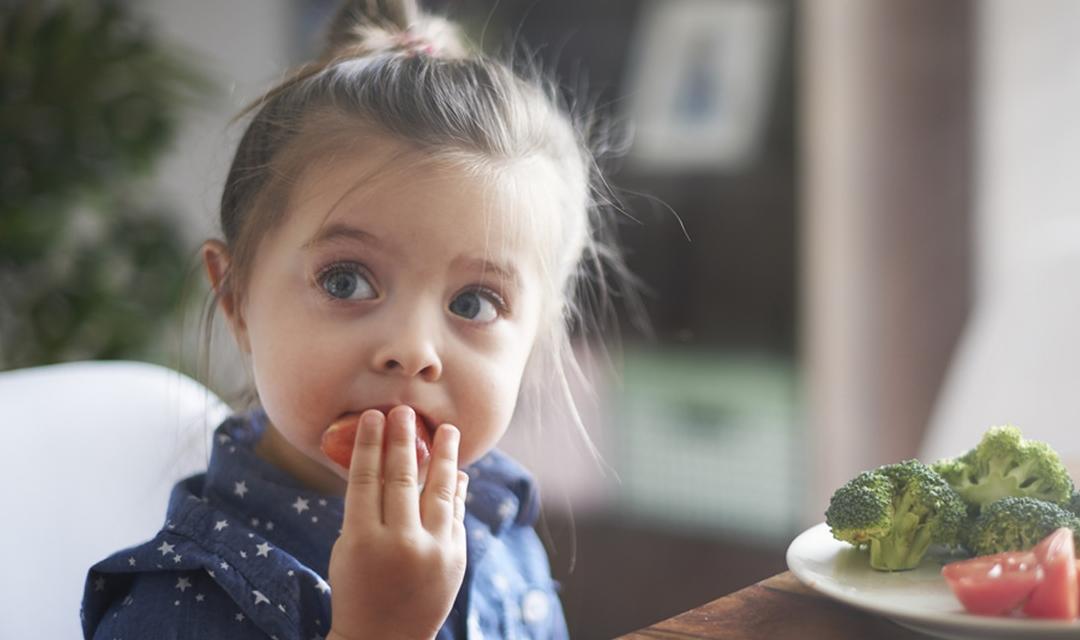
(245, 552)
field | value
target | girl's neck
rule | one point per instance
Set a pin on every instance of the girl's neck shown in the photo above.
(276, 450)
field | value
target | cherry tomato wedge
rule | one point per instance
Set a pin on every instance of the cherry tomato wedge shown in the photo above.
(1056, 596)
(338, 440)
(994, 585)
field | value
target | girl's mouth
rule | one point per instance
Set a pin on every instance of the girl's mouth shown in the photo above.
(338, 439)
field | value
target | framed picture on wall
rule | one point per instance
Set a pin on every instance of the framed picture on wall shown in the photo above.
(700, 80)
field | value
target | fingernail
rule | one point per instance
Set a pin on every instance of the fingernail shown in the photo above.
(370, 419)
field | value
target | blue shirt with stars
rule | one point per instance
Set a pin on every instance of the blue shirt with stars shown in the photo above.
(245, 551)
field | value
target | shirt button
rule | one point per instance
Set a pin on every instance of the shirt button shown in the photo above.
(534, 606)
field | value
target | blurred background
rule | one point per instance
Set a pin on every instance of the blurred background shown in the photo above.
(853, 220)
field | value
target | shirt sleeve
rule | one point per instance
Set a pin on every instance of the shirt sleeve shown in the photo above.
(174, 605)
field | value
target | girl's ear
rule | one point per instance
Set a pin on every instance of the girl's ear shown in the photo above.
(215, 257)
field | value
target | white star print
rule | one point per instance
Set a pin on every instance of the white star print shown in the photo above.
(254, 522)
(321, 585)
(131, 561)
(224, 438)
(241, 488)
(506, 509)
(301, 505)
(314, 518)
(176, 558)
(291, 572)
(281, 608)
(199, 597)
(239, 617)
(264, 550)
(251, 535)
(269, 526)
(183, 584)
(176, 603)
(260, 598)
(165, 548)
(243, 554)
(99, 584)
(224, 565)
(221, 524)
(211, 573)
(322, 502)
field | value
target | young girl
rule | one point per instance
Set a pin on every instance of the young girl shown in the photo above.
(404, 226)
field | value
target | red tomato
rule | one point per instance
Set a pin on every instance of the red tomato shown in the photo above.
(1056, 596)
(993, 585)
(337, 440)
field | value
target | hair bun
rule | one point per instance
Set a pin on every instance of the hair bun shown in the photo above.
(369, 27)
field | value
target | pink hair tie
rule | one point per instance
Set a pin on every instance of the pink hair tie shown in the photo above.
(413, 43)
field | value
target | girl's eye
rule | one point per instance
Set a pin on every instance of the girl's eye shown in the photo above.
(346, 282)
(477, 305)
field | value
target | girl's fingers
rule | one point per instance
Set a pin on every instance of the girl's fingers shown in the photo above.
(363, 494)
(459, 498)
(437, 502)
(401, 495)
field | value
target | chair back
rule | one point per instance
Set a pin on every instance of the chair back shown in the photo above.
(90, 451)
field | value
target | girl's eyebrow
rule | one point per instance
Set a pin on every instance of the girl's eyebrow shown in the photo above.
(503, 271)
(339, 231)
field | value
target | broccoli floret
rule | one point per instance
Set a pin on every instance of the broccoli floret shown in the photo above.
(1005, 464)
(1017, 524)
(1074, 503)
(898, 510)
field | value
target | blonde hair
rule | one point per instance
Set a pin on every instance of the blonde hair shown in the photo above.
(389, 68)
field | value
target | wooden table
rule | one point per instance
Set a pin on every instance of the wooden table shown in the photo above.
(777, 608)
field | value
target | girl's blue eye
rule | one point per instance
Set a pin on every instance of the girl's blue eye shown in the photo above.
(345, 282)
(476, 305)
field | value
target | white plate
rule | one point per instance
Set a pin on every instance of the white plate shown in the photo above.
(918, 599)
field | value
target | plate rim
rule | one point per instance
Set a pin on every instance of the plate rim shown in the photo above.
(959, 621)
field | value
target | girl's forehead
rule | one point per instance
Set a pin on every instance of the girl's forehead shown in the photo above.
(509, 208)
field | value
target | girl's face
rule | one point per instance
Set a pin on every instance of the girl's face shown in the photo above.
(387, 283)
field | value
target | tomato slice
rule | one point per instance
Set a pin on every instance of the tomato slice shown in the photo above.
(1056, 596)
(339, 438)
(993, 585)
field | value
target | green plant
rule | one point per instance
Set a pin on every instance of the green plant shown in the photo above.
(88, 101)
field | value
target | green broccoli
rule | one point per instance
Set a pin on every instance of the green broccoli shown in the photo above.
(1016, 524)
(1074, 503)
(1005, 464)
(898, 510)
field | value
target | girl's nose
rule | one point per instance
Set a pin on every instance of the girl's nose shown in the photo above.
(408, 351)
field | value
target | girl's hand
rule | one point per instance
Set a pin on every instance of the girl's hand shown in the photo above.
(399, 562)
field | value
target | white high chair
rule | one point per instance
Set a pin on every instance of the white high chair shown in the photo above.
(90, 453)
(1018, 361)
